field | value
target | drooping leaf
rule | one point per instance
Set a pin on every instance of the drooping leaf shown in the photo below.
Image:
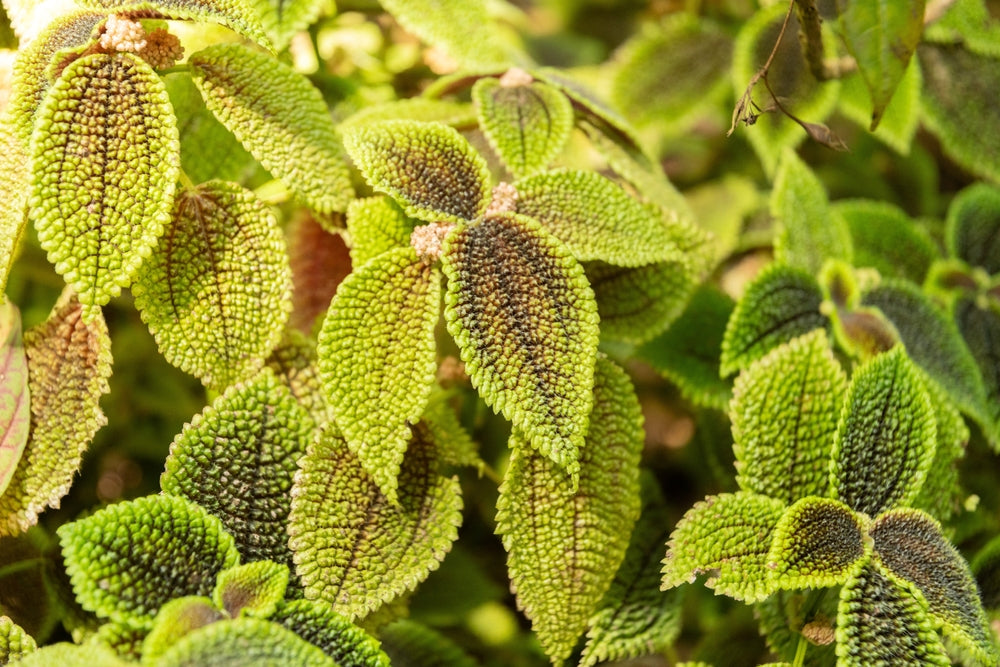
(252, 589)
(881, 621)
(597, 219)
(636, 618)
(899, 121)
(15, 396)
(175, 619)
(69, 363)
(728, 537)
(973, 227)
(910, 544)
(14, 192)
(243, 642)
(780, 304)
(317, 623)
(104, 158)
(526, 122)
(294, 362)
(216, 292)
(377, 357)
(377, 225)
(410, 644)
(279, 117)
(126, 560)
(429, 168)
(980, 329)
(525, 321)
(353, 548)
(885, 238)
(564, 544)
(15, 643)
(815, 544)
(785, 410)
(282, 19)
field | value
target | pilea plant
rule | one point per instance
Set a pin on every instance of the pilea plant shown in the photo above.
(425, 358)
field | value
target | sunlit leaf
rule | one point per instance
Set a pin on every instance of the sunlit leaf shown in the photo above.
(410, 644)
(377, 225)
(15, 643)
(899, 121)
(243, 642)
(429, 168)
(174, 620)
(126, 560)
(282, 19)
(377, 357)
(815, 545)
(785, 409)
(564, 544)
(216, 291)
(720, 207)
(105, 159)
(15, 397)
(317, 623)
(973, 227)
(14, 176)
(69, 363)
(980, 329)
(525, 321)
(279, 117)
(252, 589)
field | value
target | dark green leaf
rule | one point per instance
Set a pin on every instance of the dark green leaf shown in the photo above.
(986, 567)
(973, 232)
(885, 238)
(410, 644)
(377, 225)
(941, 495)
(243, 642)
(15, 396)
(317, 623)
(15, 643)
(815, 544)
(253, 589)
(980, 328)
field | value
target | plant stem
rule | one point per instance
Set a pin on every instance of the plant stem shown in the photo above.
(800, 652)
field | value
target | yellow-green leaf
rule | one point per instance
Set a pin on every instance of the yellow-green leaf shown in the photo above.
(815, 544)
(217, 290)
(15, 643)
(105, 157)
(294, 362)
(14, 179)
(279, 117)
(377, 224)
(282, 19)
(15, 396)
(900, 119)
(243, 642)
(251, 589)
(525, 321)
(174, 620)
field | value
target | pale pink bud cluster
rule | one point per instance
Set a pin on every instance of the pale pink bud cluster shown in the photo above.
(159, 48)
(427, 239)
(504, 199)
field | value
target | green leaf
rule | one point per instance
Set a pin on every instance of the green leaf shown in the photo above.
(986, 568)
(65, 654)
(778, 305)
(881, 36)
(253, 589)
(525, 321)
(728, 537)
(900, 120)
(970, 22)
(941, 495)
(377, 225)
(15, 395)
(526, 122)
(353, 548)
(294, 362)
(243, 642)
(106, 130)
(15, 643)
(886, 437)
(973, 227)
(126, 560)
(410, 644)
(317, 623)
(815, 544)
(887, 239)
(282, 19)
(881, 621)
(720, 207)
(222, 261)
(377, 357)
(424, 109)
(429, 168)
(69, 363)
(980, 329)
(440, 424)
(910, 545)
(958, 106)
(14, 175)
(635, 618)
(174, 620)
(597, 219)
(808, 233)
(784, 411)
(688, 352)
(564, 544)
(279, 117)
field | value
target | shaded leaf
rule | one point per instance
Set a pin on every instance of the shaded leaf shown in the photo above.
(353, 548)
(377, 357)
(429, 168)
(317, 623)
(410, 644)
(815, 544)
(941, 495)
(788, 617)
(564, 544)
(720, 207)
(780, 304)
(252, 589)
(14, 173)
(223, 261)
(320, 261)
(973, 227)
(887, 239)
(784, 410)
(243, 642)
(969, 22)
(525, 321)
(174, 620)
(282, 19)
(900, 120)
(279, 117)
(294, 362)
(728, 537)
(126, 560)
(15, 643)
(15, 396)
(377, 225)
(980, 329)
(986, 568)
(104, 165)
(69, 363)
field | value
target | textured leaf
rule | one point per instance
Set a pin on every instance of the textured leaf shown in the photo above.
(525, 321)
(317, 623)
(688, 352)
(424, 109)
(526, 123)
(253, 589)
(461, 28)
(785, 409)
(243, 642)
(727, 537)
(216, 291)
(69, 363)
(126, 560)
(377, 225)
(353, 548)
(15, 396)
(104, 163)
(815, 544)
(808, 234)
(440, 424)
(174, 620)
(881, 622)
(910, 545)
(635, 618)
(410, 644)
(429, 168)
(886, 437)
(15, 643)
(900, 120)
(564, 544)
(279, 117)
(885, 238)
(282, 19)
(980, 329)
(780, 304)
(14, 193)
(973, 227)
(377, 358)
(72, 655)
(597, 219)
(294, 362)
(126, 637)
(942, 495)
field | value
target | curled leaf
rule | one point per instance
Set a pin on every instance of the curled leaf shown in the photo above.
(175, 619)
